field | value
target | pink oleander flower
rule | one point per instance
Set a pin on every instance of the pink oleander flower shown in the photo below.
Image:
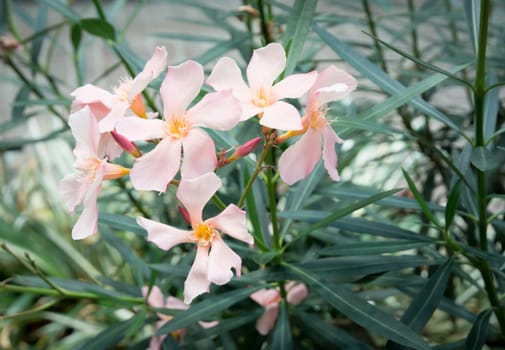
(108, 107)
(261, 97)
(270, 300)
(157, 300)
(85, 185)
(179, 132)
(297, 162)
(214, 260)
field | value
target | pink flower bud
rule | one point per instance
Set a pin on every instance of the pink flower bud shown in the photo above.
(185, 214)
(242, 151)
(126, 144)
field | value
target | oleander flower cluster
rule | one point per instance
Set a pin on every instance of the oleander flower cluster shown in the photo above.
(107, 123)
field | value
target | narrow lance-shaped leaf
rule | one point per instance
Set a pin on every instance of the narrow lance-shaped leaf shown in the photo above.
(477, 336)
(472, 15)
(98, 27)
(452, 204)
(282, 333)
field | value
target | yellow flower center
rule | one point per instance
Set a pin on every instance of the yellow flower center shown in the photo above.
(317, 116)
(204, 234)
(121, 92)
(263, 98)
(177, 127)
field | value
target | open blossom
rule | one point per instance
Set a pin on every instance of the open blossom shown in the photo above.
(85, 185)
(262, 97)
(179, 130)
(214, 260)
(157, 300)
(111, 107)
(270, 300)
(299, 160)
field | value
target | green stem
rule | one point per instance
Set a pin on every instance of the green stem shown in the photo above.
(413, 32)
(272, 200)
(99, 9)
(265, 31)
(373, 30)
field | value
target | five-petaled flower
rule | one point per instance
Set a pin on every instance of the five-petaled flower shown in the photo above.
(270, 300)
(156, 299)
(299, 160)
(85, 185)
(179, 131)
(214, 259)
(261, 97)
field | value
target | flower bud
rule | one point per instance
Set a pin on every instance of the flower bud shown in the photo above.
(185, 214)
(126, 144)
(242, 151)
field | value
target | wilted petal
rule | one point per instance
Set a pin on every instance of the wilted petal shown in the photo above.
(135, 128)
(152, 69)
(162, 235)
(181, 85)
(332, 84)
(297, 293)
(221, 260)
(282, 116)
(216, 110)
(329, 153)
(226, 75)
(266, 322)
(199, 154)
(266, 64)
(197, 283)
(195, 193)
(298, 161)
(232, 221)
(154, 170)
(295, 85)
(155, 298)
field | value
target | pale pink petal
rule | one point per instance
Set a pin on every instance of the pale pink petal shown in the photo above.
(154, 170)
(117, 112)
(86, 225)
(195, 193)
(266, 64)
(298, 161)
(197, 283)
(152, 69)
(98, 109)
(295, 85)
(249, 110)
(282, 116)
(85, 131)
(89, 94)
(173, 303)
(329, 153)
(162, 235)
(135, 128)
(266, 297)
(227, 75)
(232, 221)
(181, 85)
(267, 321)
(73, 188)
(297, 293)
(207, 325)
(332, 84)
(199, 154)
(221, 260)
(216, 110)
(156, 342)
(108, 147)
(155, 298)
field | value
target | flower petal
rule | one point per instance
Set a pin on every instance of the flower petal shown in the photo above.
(267, 321)
(295, 85)
(117, 112)
(154, 170)
(298, 161)
(216, 110)
(266, 64)
(195, 193)
(73, 188)
(85, 131)
(86, 225)
(221, 260)
(266, 297)
(329, 153)
(162, 235)
(226, 75)
(108, 147)
(207, 325)
(152, 69)
(282, 116)
(297, 293)
(89, 94)
(155, 298)
(199, 154)
(197, 283)
(134, 128)
(173, 303)
(332, 84)
(181, 85)
(232, 221)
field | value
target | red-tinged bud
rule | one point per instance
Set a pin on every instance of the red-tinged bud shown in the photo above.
(185, 214)
(242, 151)
(126, 144)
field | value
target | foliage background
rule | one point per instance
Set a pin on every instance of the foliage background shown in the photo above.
(370, 256)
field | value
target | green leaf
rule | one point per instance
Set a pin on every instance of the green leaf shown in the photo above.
(364, 123)
(99, 27)
(478, 334)
(121, 222)
(492, 103)
(282, 338)
(472, 15)
(228, 324)
(223, 47)
(297, 30)
(62, 9)
(372, 248)
(252, 205)
(362, 312)
(75, 36)
(452, 204)
(419, 198)
(206, 309)
(18, 110)
(484, 160)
